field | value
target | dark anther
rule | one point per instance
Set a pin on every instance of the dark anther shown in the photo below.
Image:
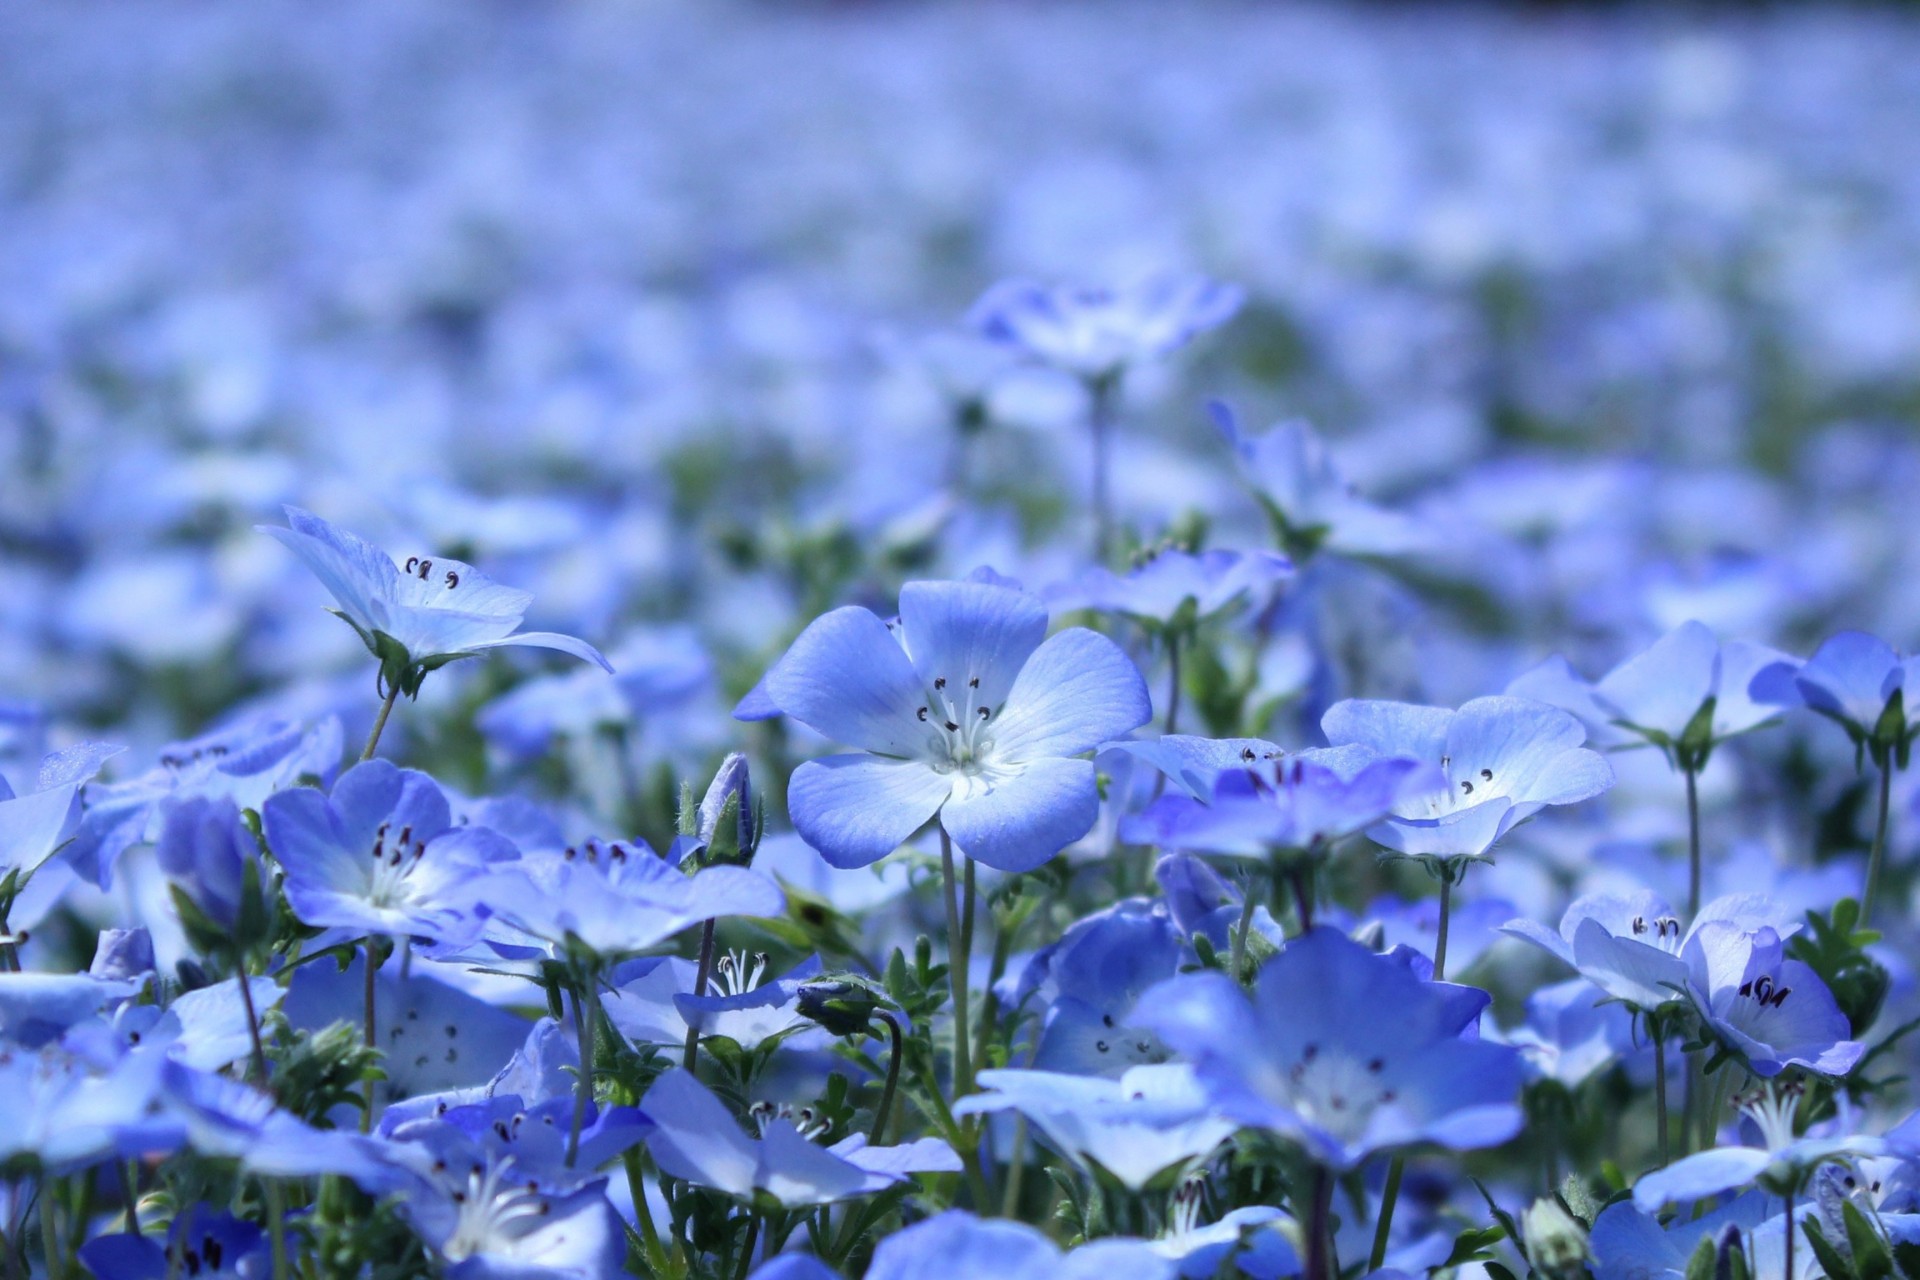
(453, 579)
(1246, 753)
(1486, 775)
(922, 713)
(1101, 1045)
(973, 683)
(1466, 788)
(1309, 1053)
(413, 563)
(426, 567)
(940, 682)
(571, 853)
(1107, 1019)
(985, 712)
(951, 726)
(1377, 1065)
(1639, 924)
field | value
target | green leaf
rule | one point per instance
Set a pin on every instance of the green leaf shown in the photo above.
(1871, 1260)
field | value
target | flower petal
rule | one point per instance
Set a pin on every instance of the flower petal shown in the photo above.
(965, 631)
(1076, 692)
(1018, 821)
(848, 678)
(857, 809)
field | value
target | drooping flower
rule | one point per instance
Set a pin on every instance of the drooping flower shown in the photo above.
(1503, 759)
(964, 709)
(418, 616)
(1342, 1050)
(1098, 332)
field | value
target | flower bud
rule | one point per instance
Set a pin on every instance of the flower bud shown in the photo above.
(1556, 1241)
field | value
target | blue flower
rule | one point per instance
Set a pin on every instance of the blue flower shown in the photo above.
(1344, 1051)
(35, 823)
(1773, 1012)
(205, 851)
(1312, 505)
(1631, 946)
(955, 1245)
(1686, 693)
(1096, 333)
(63, 1111)
(244, 762)
(1097, 973)
(379, 855)
(1300, 802)
(1173, 586)
(1146, 1122)
(224, 1117)
(615, 898)
(650, 1002)
(202, 1244)
(1194, 763)
(419, 616)
(1779, 1164)
(1630, 1244)
(1204, 905)
(1569, 1035)
(1503, 760)
(696, 1138)
(1853, 679)
(966, 710)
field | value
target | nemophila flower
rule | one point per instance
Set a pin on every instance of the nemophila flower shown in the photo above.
(1685, 694)
(1473, 926)
(38, 1007)
(1095, 975)
(418, 616)
(1345, 1051)
(1313, 507)
(434, 1037)
(201, 1244)
(615, 898)
(1144, 1123)
(1634, 947)
(1854, 679)
(1630, 1244)
(378, 855)
(61, 1111)
(1773, 1012)
(244, 762)
(206, 1028)
(1098, 332)
(1172, 587)
(696, 1138)
(544, 1067)
(492, 1193)
(659, 674)
(1193, 763)
(1569, 1035)
(123, 954)
(964, 709)
(955, 1245)
(1779, 1164)
(223, 1117)
(1299, 802)
(1205, 905)
(1502, 759)
(1252, 1236)
(37, 821)
(209, 857)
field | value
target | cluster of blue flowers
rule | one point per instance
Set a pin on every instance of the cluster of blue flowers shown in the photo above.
(1016, 817)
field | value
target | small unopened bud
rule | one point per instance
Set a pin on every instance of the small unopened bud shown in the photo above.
(844, 1006)
(726, 827)
(1556, 1241)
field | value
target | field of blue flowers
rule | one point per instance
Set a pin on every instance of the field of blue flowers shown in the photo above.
(971, 641)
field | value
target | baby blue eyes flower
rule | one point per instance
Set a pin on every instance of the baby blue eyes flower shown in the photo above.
(697, 1138)
(380, 856)
(1630, 1244)
(419, 615)
(1096, 974)
(955, 1245)
(1149, 1120)
(1502, 759)
(965, 709)
(1773, 1012)
(201, 1245)
(1853, 679)
(1780, 1163)
(1170, 586)
(1344, 1051)
(36, 821)
(1097, 333)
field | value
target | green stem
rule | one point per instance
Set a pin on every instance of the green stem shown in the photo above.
(380, 723)
(1301, 880)
(702, 973)
(893, 1081)
(253, 1026)
(746, 1251)
(1318, 1267)
(1660, 1087)
(1693, 843)
(277, 1227)
(130, 1184)
(1173, 680)
(1440, 936)
(643, 1212)
(583, 1007)
(1100, 397)
(1237, 957)
(372, 1039)
(1789, 1275)
(1016, 1169)
(1879, 853)
(959, 952)
(49, 1234)
(1389, 1196)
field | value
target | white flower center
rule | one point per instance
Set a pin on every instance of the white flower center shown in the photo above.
(1337, 1091)
(1772, 1111)
(394, 859)
(738, 973)
(494, 1213)
(957, 728)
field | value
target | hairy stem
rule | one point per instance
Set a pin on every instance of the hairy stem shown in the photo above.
(584, 1006)
(380, 723)
(702, 973)
(1660, 1087)
(1879, 853)
(1173, 680)
(1389, 1196)
(1440, 935)
(1693, 843)
(958, 953)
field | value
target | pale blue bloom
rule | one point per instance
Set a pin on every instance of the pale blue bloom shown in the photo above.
(1503, 759)
(1137, 1126)
(1629, 1244)
(1780, 1163)
(955, 1245)
(432, 609)
(1344, 1051)
(963, 709)
(1854, 679)
(1172, 586)
(36, 822)
(1098, 332)
(1571, 1033)
(1312, 505)
(1095, 976)
(1773, 1012)
(201, 1245)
